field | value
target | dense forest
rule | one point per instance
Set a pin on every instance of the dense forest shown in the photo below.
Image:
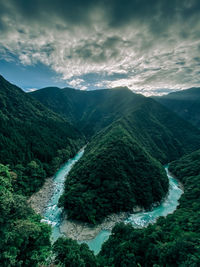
(185, 103)
(172, 241)
(123, 129)
(24, 240)
(34, 141)
(129, 136)
(115, 174)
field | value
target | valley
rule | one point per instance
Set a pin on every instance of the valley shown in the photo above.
(116, 182)
(99, 133)
(94, 236)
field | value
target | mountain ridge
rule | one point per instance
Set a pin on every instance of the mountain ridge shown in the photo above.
(185, 103)
(109, 118)
(30, 132)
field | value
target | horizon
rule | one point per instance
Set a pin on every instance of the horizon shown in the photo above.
(90, 90)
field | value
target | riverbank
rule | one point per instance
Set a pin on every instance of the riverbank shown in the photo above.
(45, 202)
(82, 231)
(39, 200)
(73, 229)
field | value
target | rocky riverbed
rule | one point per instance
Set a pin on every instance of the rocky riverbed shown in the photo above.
(73, 229)
(39, 200)
(83, 231)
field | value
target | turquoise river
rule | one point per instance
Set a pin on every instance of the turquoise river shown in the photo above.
(53, 214)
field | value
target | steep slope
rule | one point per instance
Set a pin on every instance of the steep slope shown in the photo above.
(115, 174)
(185, 103)
(89, 111)
(128, 134)
(187, 166)
(33, 136)
(161, 132)
(164, 134)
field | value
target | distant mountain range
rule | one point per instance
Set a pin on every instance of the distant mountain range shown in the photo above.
(185, 103)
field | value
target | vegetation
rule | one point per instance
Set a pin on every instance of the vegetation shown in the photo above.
(172, 241)
(121, 126)
(34, 141)
(163, 134)
(185, 103)
(24, 240)
(69, 253)
(130, 136)
(115, 174)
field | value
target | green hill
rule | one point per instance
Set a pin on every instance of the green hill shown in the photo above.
(115, 174)
(185, 103)
(34, 141)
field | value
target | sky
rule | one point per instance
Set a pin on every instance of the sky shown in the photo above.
(150, 46)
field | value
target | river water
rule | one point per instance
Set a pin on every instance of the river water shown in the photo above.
(52, 214)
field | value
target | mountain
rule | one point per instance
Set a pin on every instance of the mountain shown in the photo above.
(163, 134)
(89, 111)
(129, 135)
(185, 103)
(32, 137)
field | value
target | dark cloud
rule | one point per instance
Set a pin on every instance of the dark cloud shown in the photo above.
(159, 14)
(74, 11)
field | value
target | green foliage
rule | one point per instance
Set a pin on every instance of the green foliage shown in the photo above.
(69, 253)
(129, 134)
(163, 134)
(123, 128)
(114, 175)
(172, 241)
(32, 133)
(24, 240)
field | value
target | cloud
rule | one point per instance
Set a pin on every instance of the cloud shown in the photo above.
(147, 45)
(31, 89)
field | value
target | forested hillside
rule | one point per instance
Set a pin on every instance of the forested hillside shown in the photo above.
(117, 163)
(164, 134)
(34, 141)
(115, 174)
(172, 241)
(185, 103)
(24, 240)
(129, 137)
(128, 133)
(89, 111)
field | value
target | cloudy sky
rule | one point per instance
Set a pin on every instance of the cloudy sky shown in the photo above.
(151, 46)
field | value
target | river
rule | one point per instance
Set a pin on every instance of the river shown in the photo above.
(53, 214)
